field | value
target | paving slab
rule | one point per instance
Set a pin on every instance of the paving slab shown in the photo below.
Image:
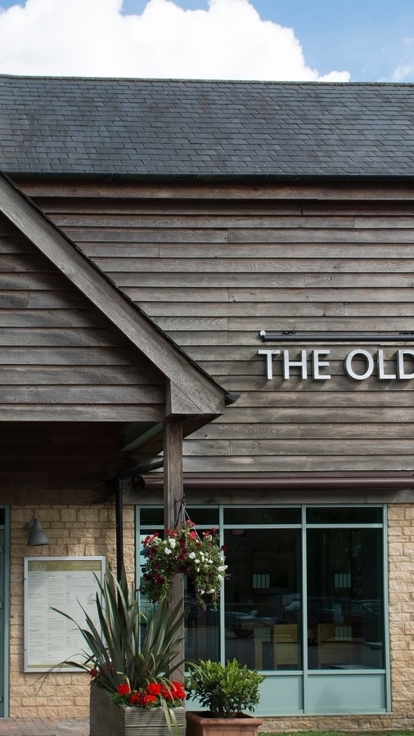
(44, 727)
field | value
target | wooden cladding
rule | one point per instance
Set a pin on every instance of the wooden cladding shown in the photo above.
(214, 266)
(60, 359)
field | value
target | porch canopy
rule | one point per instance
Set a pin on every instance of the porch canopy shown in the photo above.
(89, 385)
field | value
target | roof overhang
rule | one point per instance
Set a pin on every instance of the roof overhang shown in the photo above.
(192, 395)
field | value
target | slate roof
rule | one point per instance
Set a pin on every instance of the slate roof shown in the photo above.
(187, 128)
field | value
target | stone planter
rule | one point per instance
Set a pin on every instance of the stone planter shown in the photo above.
(200, 724)
(108, 719)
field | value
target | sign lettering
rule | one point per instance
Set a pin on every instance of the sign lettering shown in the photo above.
(315, 364)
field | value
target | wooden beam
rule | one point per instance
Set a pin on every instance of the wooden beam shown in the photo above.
(173, 496)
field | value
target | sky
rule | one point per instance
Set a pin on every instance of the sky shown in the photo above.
(281, 40)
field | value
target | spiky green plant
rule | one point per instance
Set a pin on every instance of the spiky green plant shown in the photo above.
(114, 649)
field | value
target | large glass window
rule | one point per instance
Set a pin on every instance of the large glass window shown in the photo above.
(305, 590)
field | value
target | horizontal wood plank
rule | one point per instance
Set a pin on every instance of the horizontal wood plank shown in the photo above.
(291, 280)
(248, 251)
(99, 375)
(298, 464)
(341, 191)
(261, 298)
(324, 431)
(255, 265)
(80, 413)
(355, 447)
(66, 356)
(275, 309)
(104, 394)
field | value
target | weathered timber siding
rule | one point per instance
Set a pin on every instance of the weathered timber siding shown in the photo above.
(214, 271)
(60, 360)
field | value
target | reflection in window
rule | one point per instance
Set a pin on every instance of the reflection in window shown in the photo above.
(262, 598)
(345, 599)
(262, 618)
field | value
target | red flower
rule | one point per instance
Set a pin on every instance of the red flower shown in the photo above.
(123, 689)
(135, 699)
(148, 699)
(177, 690)
(93, 673)
(173, 691)
(154, 688)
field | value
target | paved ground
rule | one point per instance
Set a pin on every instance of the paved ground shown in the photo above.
(44, 727)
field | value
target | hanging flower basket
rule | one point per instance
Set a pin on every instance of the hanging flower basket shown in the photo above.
(184, 551)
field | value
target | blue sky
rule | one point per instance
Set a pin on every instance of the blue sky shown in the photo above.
(370, 40)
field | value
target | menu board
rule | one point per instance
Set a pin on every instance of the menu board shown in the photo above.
(68, 584)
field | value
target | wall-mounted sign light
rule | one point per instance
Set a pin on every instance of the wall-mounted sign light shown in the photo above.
(292, 336)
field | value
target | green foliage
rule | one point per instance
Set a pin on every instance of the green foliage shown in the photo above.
(224, 690)
(114, 651)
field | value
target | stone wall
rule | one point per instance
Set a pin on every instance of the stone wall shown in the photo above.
(72, 530)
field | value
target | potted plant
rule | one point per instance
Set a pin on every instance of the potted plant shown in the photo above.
(131, 675)
(225, 691)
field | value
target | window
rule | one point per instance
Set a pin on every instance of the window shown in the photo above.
(306, 598)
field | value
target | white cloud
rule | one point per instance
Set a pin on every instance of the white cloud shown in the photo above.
(93, 38)
(404, 71)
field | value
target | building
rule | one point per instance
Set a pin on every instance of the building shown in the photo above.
(167, 246)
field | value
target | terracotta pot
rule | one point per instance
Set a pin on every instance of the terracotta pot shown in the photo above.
(108, 719)
(201, 724)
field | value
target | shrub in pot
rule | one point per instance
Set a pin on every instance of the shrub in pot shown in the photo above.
(225, 691)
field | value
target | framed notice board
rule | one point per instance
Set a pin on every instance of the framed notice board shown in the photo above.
(68, 584)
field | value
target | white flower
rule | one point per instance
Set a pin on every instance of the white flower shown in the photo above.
(222, 568)
(167, 551)
(211, 591)
(172, 542)
(192, 555)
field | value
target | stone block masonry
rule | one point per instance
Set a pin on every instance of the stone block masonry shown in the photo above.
(72, 531)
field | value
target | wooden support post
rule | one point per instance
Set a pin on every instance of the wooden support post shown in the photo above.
(173, 494)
